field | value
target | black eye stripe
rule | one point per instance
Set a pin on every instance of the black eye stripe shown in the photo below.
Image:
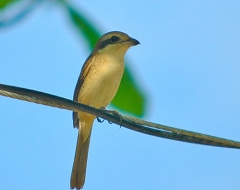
(105, 43)
(112, 40)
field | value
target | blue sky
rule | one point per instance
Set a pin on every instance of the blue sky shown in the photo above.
(188, 65)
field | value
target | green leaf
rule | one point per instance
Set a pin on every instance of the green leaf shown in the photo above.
(84, 27)
(4, 3)
(129, 98)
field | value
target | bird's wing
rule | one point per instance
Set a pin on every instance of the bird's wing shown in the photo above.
(84, 72)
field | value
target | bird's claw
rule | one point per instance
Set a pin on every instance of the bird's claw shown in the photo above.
(99, 120)
(116, 114)
(112, 112)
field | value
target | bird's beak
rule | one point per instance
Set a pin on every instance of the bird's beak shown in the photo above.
(133, 41)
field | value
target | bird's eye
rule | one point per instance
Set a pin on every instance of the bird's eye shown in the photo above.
(114, 38)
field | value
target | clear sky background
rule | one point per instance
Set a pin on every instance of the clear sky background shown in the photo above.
(188, 65)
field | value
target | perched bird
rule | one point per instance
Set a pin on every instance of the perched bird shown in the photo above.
(97, 85)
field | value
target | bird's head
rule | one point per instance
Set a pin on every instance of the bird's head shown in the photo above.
(115, 43)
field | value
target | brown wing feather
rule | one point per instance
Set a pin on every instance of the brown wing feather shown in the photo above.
(81, 78)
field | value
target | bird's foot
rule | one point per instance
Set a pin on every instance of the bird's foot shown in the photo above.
(113, 112)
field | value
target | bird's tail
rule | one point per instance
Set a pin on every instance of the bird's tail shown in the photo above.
(81, 155)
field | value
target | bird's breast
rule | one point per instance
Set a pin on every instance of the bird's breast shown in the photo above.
(102, 81)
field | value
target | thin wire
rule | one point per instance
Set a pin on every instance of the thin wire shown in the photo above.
(128, 122)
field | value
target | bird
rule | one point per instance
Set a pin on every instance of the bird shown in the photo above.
(97, 85)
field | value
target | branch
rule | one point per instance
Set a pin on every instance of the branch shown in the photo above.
(135, 124)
